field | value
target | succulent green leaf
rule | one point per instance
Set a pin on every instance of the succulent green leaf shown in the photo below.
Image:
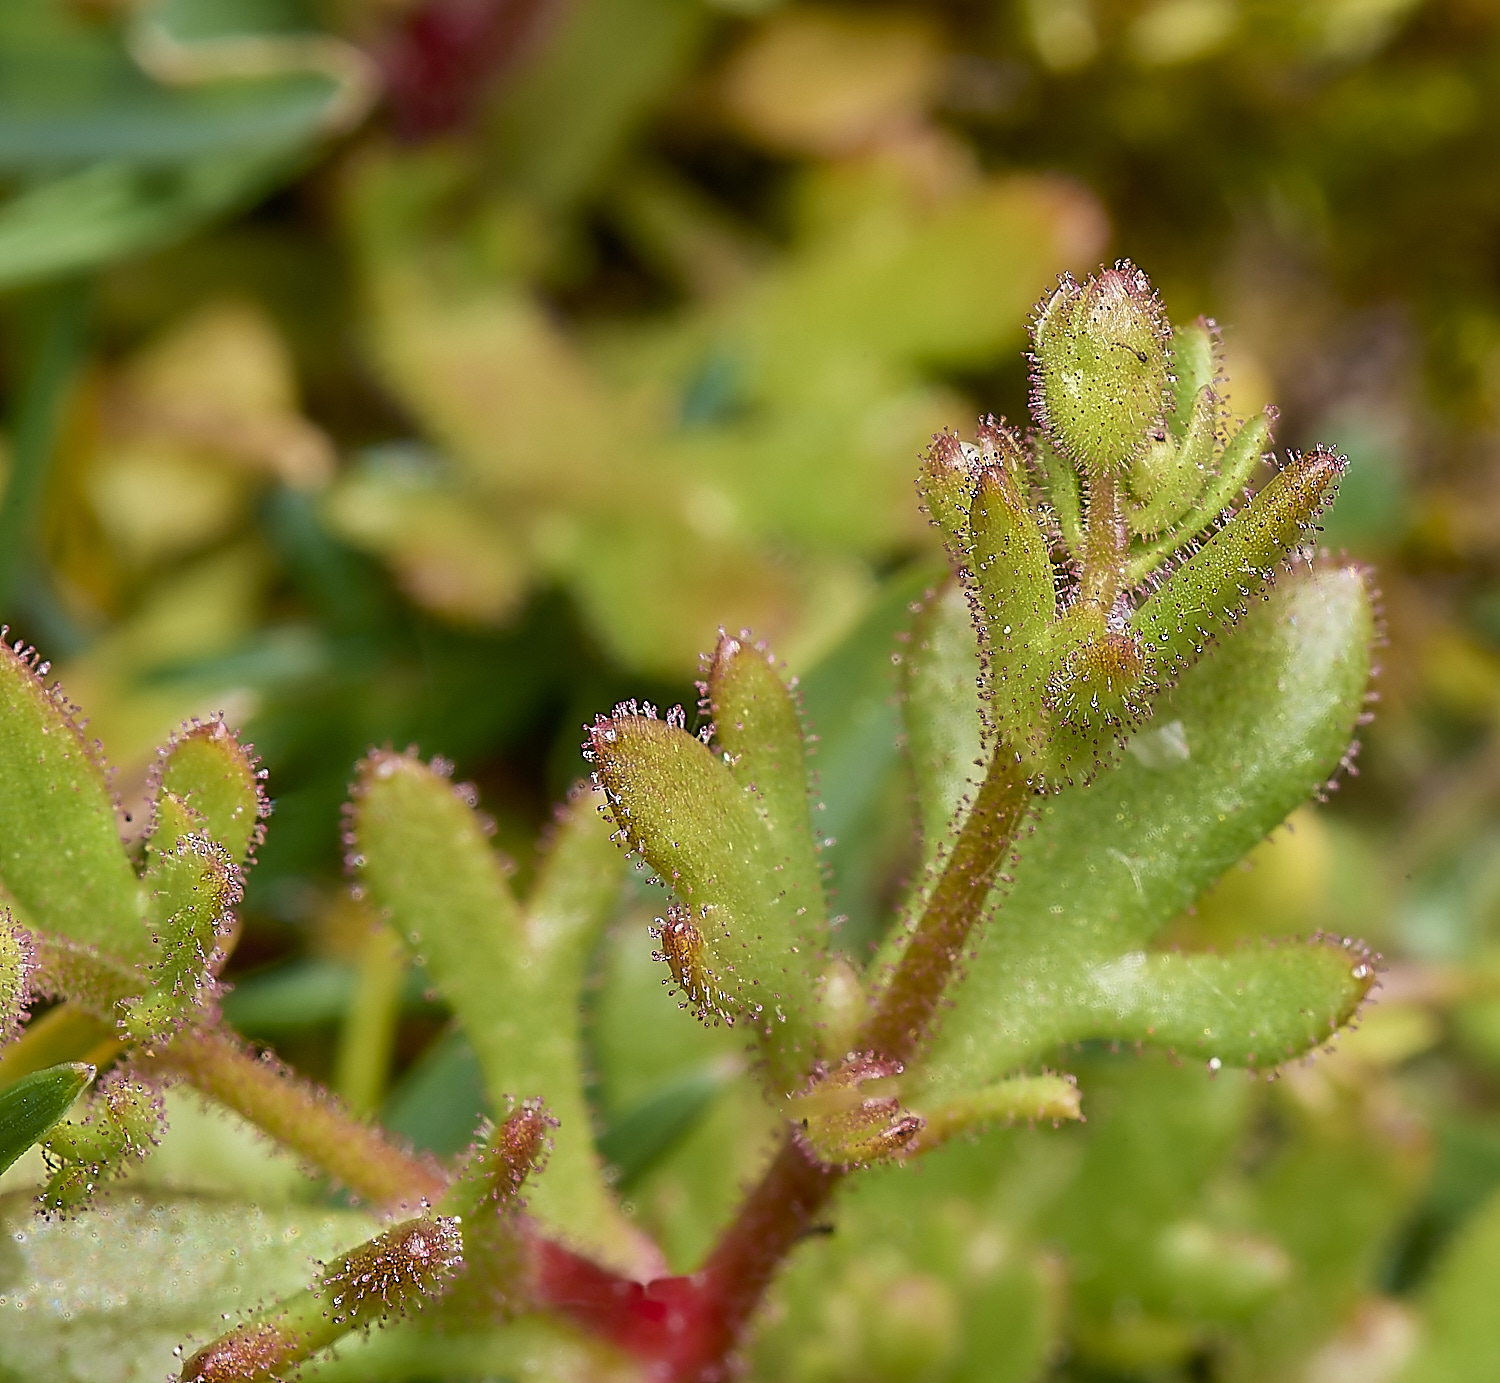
(420, 848)
(91, 982)
(1236, 466)
(756, 724)
(217, 778)
(1062, 488)
(1171, 474)
(33, 1104)
(1225, 490)
(1244, 738)
(1099, 367)
(60, 854)
(1253, 1008)
(943, 714)
(1032, 1098)
(124, 1123)
(387, 1277)
(192, 888)
(172, 818)
(732, 943)
(17, 966)
(1097, 672)
(946, 478)
(1210, 590)
(851, 1116)
(1196, 366)
(1012, 584)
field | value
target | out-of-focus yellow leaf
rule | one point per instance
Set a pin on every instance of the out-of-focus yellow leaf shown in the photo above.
(832, 82)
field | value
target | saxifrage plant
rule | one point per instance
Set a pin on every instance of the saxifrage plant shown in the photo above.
(1134, 673)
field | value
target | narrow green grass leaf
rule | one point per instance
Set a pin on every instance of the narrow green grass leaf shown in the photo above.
(31, 1106)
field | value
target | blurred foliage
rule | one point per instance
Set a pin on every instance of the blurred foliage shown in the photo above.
(450, 416)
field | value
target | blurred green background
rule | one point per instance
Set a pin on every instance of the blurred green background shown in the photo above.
(443, 371)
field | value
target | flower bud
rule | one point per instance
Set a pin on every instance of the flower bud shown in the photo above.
(1099, 368)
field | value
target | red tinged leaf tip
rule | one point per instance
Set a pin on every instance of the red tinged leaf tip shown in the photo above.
(394, 1271)
(945, 479)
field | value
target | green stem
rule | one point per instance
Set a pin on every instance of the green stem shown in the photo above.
(1106, 542)
(911, 997)
(306, 1119)
(391, 1274)
(36, 424)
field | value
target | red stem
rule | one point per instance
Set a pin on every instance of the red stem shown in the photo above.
(906, 1008)
(685, 1328)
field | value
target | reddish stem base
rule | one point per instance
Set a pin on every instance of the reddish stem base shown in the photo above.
(684, 1328)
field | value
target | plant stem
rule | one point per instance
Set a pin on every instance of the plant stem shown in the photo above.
(689, 1326)
(1106, 544)
(306, 1119)
(777, 1215)
(912, 995)
(686, 1327)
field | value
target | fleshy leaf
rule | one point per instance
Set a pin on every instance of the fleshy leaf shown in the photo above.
(851, 1116)
(399, 1271)
(125, 1121)
(734, 937)
(17, 966)
(419, 847)
(757, 725)
(1254, 1008)
(1237, 464)
(1212, 587)
(60, 854)
(1196, 365)
(1254, 731)
(1021, 1097)
(218, 779)
(1173, 472)
(33, 1104)
(1012, 585)
(946, 479)
(193, 887)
